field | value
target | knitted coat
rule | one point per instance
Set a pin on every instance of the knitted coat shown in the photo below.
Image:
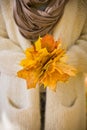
(65, 108)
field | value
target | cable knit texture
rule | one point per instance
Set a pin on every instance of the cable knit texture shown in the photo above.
(65, 109)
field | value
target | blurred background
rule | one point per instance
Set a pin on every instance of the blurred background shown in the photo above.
(86, 96)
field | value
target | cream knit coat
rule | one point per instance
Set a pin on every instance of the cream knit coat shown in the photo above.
(65, 108)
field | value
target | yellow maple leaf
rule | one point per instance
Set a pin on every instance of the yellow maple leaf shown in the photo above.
(45, 64)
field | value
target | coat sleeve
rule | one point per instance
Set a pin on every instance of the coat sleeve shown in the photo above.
(10, 52)
(77, 54)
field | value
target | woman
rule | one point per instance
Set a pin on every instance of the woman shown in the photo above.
(19, 107)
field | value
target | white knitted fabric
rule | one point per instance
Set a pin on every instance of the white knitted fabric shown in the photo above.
(19, 107)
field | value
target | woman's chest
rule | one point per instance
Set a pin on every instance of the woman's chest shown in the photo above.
(69, 28)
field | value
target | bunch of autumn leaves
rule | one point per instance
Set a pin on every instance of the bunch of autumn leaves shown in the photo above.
(45, 63)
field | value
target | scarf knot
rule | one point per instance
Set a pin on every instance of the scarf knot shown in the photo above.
(37, 17)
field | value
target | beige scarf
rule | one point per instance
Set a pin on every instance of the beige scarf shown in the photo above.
(37, 17)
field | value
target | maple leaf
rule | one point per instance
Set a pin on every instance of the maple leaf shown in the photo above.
(45, 63)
